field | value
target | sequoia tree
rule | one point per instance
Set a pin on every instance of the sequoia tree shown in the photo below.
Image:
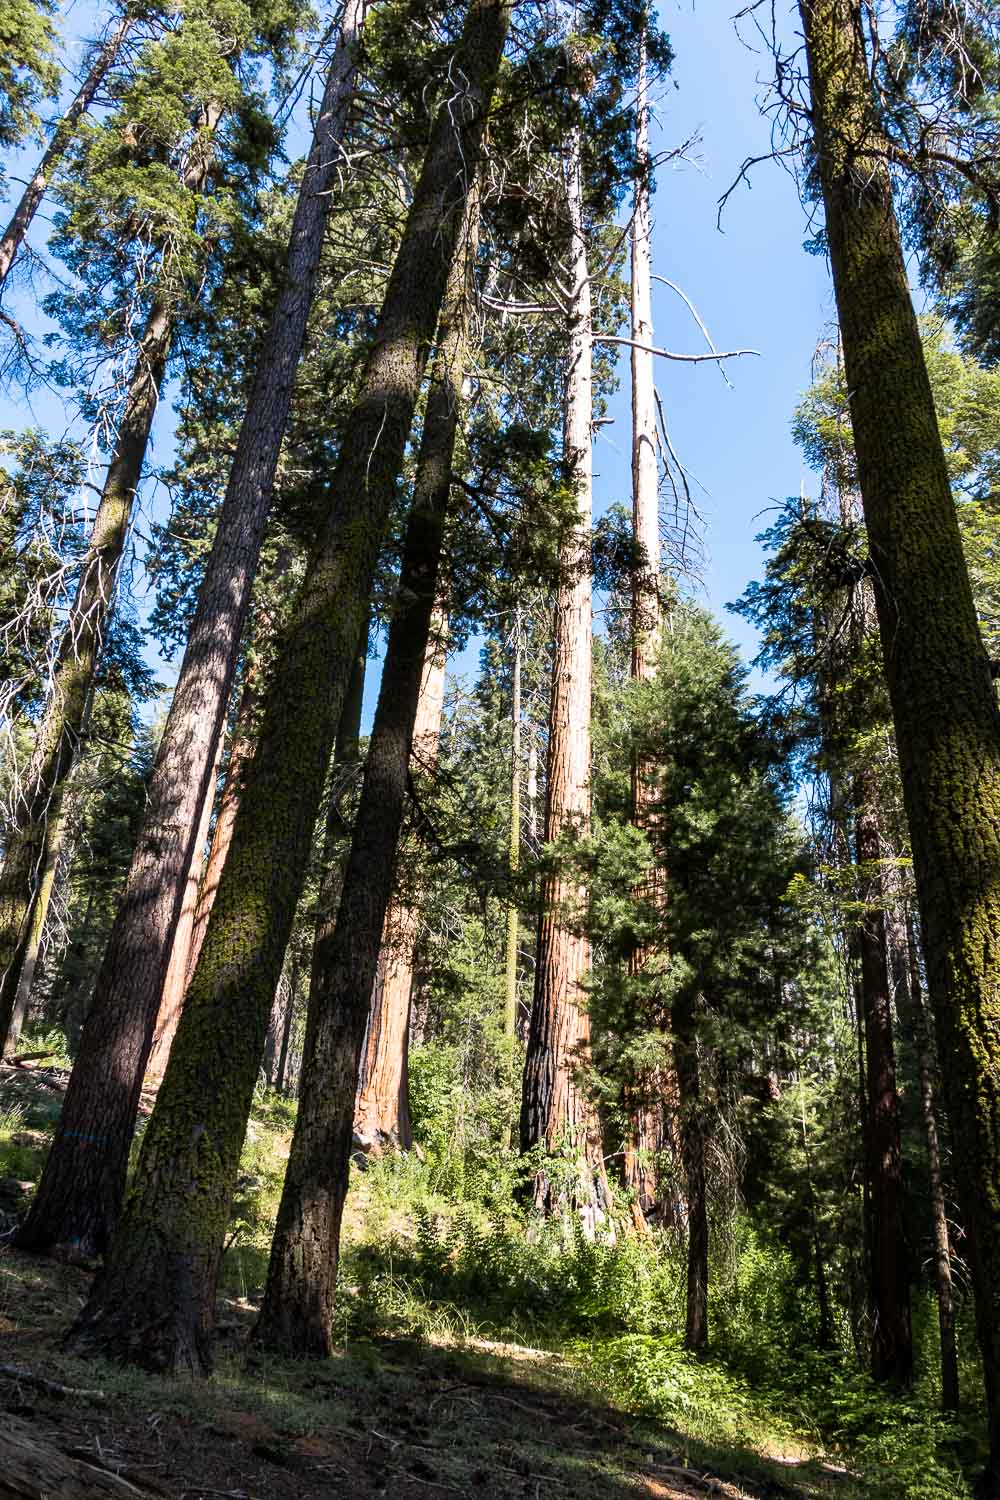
(944, 708)
(555, 1109)
(382, 1107)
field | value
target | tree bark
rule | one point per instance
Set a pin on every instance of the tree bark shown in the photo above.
(382, 1107)
(910, 985)
(80, 1193)
(692, 1132)
(57, 742)
(647, 1106)
(556, 1113)
(20, 223)
(155, 1303)
(646, 624)
(240, 750)
(54, 842)
(175, 983)
(301, 1283)
(514, 842)
(33, 1469)
(892, 1338)
(944, 707)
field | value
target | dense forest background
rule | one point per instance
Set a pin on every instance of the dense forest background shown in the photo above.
(420, 924)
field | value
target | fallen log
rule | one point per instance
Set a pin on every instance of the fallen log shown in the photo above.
(50, 1387)
(31, 1468)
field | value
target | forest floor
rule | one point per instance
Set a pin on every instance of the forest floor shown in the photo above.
(385, 1416)
(446, 1411)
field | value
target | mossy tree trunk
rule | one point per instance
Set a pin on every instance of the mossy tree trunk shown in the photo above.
(37, 808)
(30, 200)
(54, 844)
(382, 1107)
(301, 1283)
(556, 1113)
(80, 1194)
(155, 1303)
(944, 707)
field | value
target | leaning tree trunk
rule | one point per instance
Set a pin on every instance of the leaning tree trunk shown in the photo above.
(301, 1283)
(382, 1107)
(155, 1303)
(37, 808)
(79, 1196)
(17, 229)
(54, 843)
(892, 1337)
(556, 1112)
(343, 779)
(944, 707)
(175, 981)
(240, 750)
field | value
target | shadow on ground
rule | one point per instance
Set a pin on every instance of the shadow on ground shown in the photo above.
(384, 1417)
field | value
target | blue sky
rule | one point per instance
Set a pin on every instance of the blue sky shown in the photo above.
(755, 287)
(753, 283)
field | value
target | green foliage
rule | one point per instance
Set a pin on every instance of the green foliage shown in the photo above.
(29, 73)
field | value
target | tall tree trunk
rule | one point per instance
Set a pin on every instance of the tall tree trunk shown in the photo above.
(156, 1300)
(646, 1106)
(57, 741)
(240, 750)
(346, 762)
(555, 1110)
(944, 706)
(46, 881)
(301, 1283)
(175, 983)
(33, 194)
(382, 1107)
(692, 1133)
(892, 1339)
(80, 1193)
(514, 842)
(646, 625)
(909, 986)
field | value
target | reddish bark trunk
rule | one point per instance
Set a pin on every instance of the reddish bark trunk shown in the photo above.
(556, 1113)
(175, 983)
(382, 1107)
